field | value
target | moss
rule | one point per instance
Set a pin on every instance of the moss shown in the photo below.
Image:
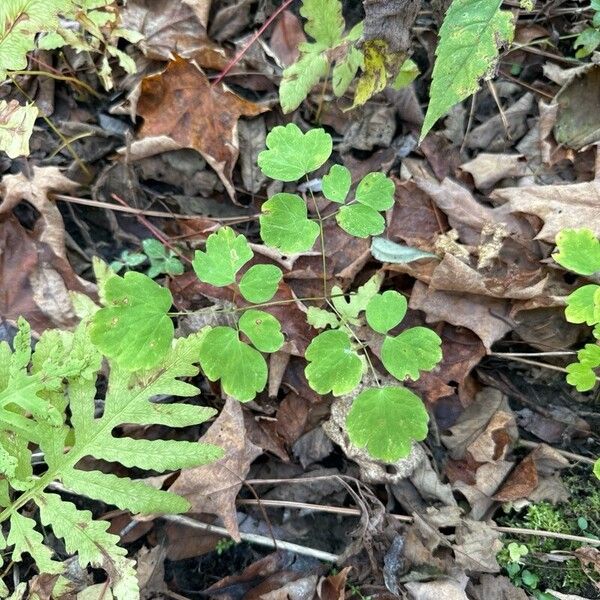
(579, 516)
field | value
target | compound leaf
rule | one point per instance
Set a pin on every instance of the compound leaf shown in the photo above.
(360, 221)
(414, 350)
(260, 282)
(263, 330)
(292, 154)
(581, 374)
(16, 126)
(386, 310)
(583, 305)
(324, 21)
(350, 309)
(467, 51)
(134, 328)
(226, 253)
(578, 251)
(241, 369)
(386, 421)
(336, 184)
(333, 366)
(376, 190)
(284, 224)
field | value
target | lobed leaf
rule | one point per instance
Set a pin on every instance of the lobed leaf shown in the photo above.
(360, 221)
(356, 303)
(386, 310)
(578, 251)
(583, 305)
(333, 366)
(284, 224)
(336, 184)
(241, 369)
(386, 421)
(300, 77)
(134, 328)
(226, 253)
(260, 282)
(414, 350)
(292, 154)
(376, 191)
(263, 330)
(320, 318)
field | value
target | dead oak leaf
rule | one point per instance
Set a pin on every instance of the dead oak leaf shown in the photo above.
(181, 104)
(213, 488)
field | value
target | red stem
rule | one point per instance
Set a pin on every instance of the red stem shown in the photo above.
(258, 33)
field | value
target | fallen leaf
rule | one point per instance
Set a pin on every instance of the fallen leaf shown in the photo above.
(180, 103)
(286, 37)
(559, 206)
(213, 488)
(173, 29)
(333, 587)
(448, 589)
(33, 257)
(487, 169)
(497, 588)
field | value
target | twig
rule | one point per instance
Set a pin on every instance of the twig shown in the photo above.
(405, 519)
(557, 353)
(535, 363)
(253, 39)
(253, 538)
(569, 455)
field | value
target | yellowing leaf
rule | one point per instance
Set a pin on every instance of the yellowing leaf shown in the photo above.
(578, 251)
(16, 126)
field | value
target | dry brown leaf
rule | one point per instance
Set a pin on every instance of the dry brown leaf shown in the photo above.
(33, 258)
(535, 477)
(173, 29)
(487, 169)
(213, 488)
(448, 589)
(333, 587)
(559, 206)
(286, 37)
(180, 103)
(497, 588)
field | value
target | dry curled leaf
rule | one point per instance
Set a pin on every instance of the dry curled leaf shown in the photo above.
(181, 104)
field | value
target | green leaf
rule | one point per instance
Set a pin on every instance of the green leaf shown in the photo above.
(16, 127)
(415, 349)
(20, 22)
(241, 369)
(299, 78)
(407, 74)
(345, 70)
(134, 329)
(125, 493)
(376, 190)
(350, 309)
(578, 251)
(91, 542)
(324, 21)
(470, 36)
(583, 305)
(597, 468)
(360, 221)
(333, 366)
(263, 330)
(320, 318)
(385, 250)
(581, 376)
(386, 310)
(226, 253)
(336, 184)
(386, 421)
(25, 538)
(284, 224)
(260, 282)
(154, 249)
(292, 154)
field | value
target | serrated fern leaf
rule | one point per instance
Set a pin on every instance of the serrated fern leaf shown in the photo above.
(20, 22)
(468, 49)
(90, 540)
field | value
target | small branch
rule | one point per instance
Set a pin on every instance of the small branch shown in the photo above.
(534, 363)
(253, 538)
(253, 39)
(569, 455)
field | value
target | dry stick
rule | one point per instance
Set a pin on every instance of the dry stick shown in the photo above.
(254, 538)
(535, 363)
(147, 213)
(565, 453)
(253, 39)
(405, 519)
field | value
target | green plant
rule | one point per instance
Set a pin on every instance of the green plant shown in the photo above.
(134, 327)
(47, 400)
(589, 39)
(162, 261)
(332, 52)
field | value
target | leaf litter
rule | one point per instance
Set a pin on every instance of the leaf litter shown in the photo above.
(472, 219)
